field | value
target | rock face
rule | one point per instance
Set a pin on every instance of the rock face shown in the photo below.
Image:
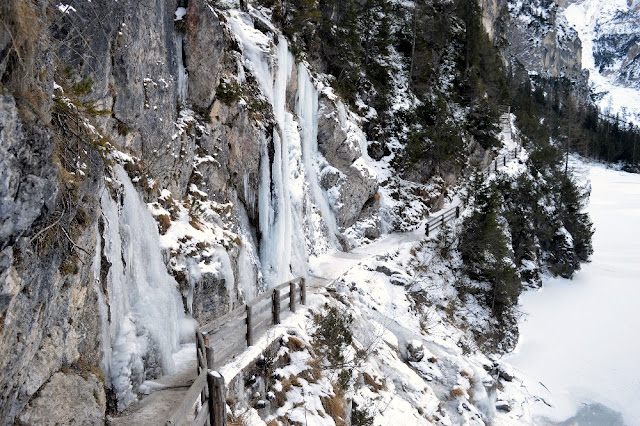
(616, 46)
(541, 39)
(64, 400)
(415, 351)
(348, 179)
(27, 179)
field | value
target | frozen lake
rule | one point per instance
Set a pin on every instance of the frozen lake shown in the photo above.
(580, 338)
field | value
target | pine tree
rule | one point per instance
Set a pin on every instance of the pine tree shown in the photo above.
(486, 252)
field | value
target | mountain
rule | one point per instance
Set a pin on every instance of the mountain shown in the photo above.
(609, 32)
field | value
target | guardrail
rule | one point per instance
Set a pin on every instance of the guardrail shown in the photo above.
(204, 402)
(454, 212)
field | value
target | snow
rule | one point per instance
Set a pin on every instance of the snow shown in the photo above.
(180, 13)
(66, 8)
(578, 338)
(386, 320)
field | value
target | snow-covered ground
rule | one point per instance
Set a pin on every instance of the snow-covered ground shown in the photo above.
(586, 17)
(578, 337)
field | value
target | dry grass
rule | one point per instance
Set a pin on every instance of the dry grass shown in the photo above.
(287, 385)
(237, 420)
(164, 222)
(373, 384)
(20, 18)
(294, 344)
(334, 408)
(457, 392)
(314, 372)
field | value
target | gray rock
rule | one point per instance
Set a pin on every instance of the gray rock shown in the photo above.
(385, 269)
(400, 280)
(415, 351)
(505, 373)
(503, 405)
(27, 178)
(547, 45)
(205, 53)
(67, 399)
(353, 185)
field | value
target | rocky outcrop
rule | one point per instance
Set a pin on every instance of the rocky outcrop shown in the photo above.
(348, 180)
(48, 312)
(542, 40)
(27, 177)
(67, 399)
(616, 46)
(495, 14)
(133, 85)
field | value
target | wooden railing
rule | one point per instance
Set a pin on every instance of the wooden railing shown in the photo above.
(454, 212)
(221, 339)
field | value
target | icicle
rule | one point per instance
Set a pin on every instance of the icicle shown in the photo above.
(182, 72)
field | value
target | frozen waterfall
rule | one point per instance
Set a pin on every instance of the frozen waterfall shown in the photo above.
(307, 111)
(147, 319)
(284, 195)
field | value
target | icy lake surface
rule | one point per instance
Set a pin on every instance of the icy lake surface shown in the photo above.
(580, 338)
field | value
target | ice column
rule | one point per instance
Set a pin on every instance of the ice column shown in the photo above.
(146, 312)
(307, 111)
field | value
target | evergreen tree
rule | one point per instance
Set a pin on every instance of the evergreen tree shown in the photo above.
(486, 252)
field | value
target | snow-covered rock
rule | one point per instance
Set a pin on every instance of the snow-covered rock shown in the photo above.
(415, 351)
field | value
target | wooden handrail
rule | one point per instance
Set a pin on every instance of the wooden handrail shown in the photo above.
(209, 386)
(454, 212)
(181, 413)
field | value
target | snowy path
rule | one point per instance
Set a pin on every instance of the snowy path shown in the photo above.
(155, 408)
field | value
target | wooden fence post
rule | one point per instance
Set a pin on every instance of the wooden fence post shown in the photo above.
(210, 355)
(201, 343)
(504, 160)
(427, 229)
(442, 219)
(303, 291)
(198, 349)
(217, 404)
(496, 164)
(276, 306)
(209, 359)
(292, 296)
(457, 212)
(249, 325)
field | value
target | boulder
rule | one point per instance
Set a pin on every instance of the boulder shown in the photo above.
(502, 405)
(415, 351)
